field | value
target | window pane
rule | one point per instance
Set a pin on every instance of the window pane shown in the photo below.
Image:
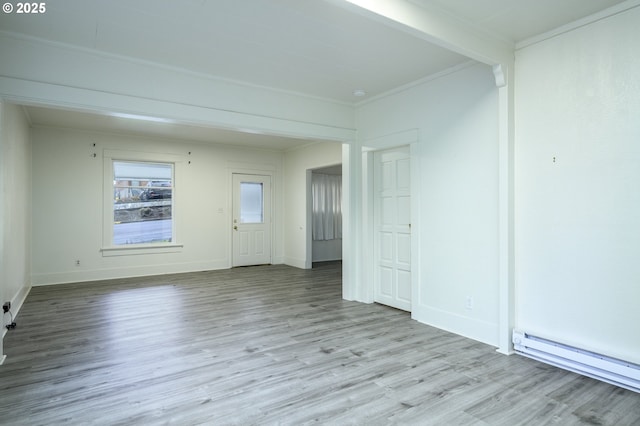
(251, 210)
(142, 202)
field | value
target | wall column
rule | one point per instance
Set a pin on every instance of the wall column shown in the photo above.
(352, 286)
(506, 256)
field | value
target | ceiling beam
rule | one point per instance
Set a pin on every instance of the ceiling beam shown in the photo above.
(437, 28)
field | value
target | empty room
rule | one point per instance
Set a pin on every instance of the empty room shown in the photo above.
(320, 211)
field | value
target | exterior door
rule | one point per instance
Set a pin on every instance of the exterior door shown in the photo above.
(251, 220)
(392, 228)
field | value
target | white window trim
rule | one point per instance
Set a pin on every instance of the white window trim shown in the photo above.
(134, 249)
(108, 248)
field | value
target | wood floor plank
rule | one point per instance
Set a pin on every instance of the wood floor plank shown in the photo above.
(269, 345)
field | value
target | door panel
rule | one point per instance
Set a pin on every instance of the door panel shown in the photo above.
(392, 234)
(243, 243)
(260, 248)
(386, 281)
(403, 278)
(403, 257)
(251, 220)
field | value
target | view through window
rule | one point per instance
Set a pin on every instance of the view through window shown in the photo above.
(251, 203)
(142, 202)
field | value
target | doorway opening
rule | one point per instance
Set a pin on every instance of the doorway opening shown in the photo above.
(325, 215)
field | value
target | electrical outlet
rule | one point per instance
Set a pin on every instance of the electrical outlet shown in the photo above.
(6, 306)
(469, 303)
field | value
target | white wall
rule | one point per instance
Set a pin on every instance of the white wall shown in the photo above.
(326, 250)
(297, 164)
(15, 208)
(456, 116)
(68, 205)
(578, 217)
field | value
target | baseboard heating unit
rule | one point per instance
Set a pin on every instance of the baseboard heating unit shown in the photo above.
(601, 367)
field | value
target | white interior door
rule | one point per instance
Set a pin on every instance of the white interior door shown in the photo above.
(251, 220)
(392, 228)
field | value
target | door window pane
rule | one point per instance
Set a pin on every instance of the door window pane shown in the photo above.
(251, 203)
(142, 202)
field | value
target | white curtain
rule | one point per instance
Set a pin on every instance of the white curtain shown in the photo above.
(327, 206)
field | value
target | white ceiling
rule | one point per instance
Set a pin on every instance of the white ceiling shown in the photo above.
(313, 47)
(517, 20)
(307, 46)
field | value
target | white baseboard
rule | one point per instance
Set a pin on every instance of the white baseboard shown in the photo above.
(296, 263)
(125, 272)
(19, 299)
(16, 303)
(472, 328)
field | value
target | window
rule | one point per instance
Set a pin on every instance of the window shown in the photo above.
(251, 203)
(142, 203)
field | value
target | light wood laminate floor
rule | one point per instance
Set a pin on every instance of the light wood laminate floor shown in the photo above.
(269, 345)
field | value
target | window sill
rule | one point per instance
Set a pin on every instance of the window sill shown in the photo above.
(140, 249)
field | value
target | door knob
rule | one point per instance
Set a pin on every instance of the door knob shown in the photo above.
(235, 228)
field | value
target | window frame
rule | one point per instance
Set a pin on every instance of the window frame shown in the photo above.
(108, 247)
